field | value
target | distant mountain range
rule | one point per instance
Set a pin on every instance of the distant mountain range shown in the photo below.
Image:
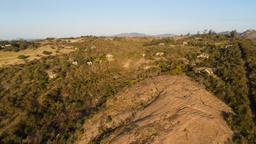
(134, 34)
(250, 34)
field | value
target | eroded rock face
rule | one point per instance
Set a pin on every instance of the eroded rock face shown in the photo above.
(162, 110)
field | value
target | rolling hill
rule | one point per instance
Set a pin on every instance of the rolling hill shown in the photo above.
(249, 34)
(191, 89)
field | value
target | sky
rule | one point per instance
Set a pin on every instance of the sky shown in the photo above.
(32, 19)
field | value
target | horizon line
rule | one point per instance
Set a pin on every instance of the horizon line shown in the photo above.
(116, 35)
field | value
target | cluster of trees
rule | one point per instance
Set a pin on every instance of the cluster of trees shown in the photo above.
(37, 109)
(230, 85)
(248, 49)
(158, 41)
(17, 45)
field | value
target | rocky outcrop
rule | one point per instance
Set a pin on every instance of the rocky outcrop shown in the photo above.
(162, 110)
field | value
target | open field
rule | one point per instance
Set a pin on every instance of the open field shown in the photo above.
(11, 57)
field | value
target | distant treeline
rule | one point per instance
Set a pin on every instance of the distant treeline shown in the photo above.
(17, 45)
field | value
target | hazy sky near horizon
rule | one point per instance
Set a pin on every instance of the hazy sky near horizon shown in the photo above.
(65, 18)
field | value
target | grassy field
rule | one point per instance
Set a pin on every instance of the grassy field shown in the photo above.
(12, 57)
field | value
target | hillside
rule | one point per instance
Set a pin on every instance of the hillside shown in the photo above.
(249, 34)
(127, 89)
(160, 110)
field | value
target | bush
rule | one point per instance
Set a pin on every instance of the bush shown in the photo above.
(47, 53)
(176, 70)
(22, 57)
(170, 67)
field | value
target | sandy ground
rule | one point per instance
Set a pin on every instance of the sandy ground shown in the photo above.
(163, 110)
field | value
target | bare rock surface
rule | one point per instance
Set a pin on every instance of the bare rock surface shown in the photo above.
(161, 110)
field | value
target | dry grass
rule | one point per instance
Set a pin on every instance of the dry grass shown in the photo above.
(11, 58)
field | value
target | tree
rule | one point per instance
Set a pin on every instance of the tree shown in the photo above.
(234, 34)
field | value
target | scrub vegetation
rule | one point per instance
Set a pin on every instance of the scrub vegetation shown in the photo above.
(47, 100)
